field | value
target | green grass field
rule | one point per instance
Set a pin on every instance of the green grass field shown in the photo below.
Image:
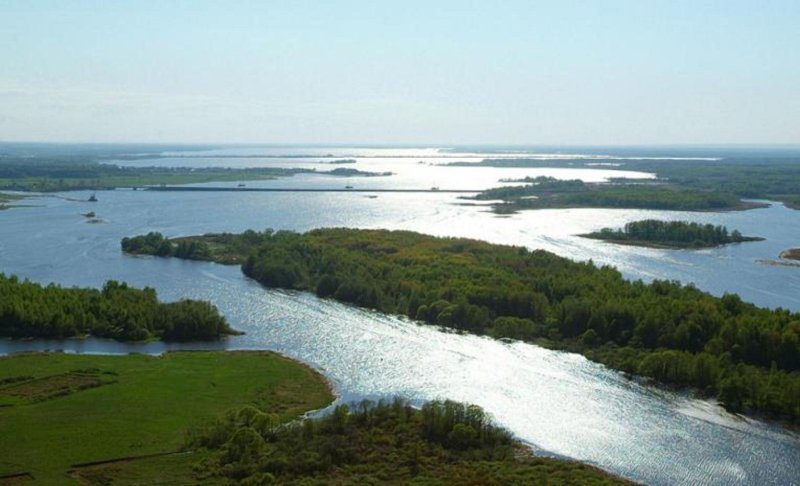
(58, 410)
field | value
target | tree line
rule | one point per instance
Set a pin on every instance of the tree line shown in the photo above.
(31, 310)
(747, 356)
(370, 442)
(757, 176)
(672, 233)
(547, 192)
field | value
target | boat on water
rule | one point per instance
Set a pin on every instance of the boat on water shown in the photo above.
(93, 197)
(240, 185)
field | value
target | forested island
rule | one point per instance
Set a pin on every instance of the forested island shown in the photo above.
(748, 357)
(671, 234)
(30, 310)
(350, 172)
(550, 193)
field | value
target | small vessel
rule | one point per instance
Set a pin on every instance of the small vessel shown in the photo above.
(435, 188)
(93, 197)
(348, 187)
(240, 185)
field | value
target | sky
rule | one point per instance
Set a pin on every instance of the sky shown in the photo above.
(411, 72)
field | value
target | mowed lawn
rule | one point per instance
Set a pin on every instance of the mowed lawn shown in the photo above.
(57, 410)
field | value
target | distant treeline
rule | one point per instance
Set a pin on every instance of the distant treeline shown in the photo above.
(376, 443)
(676, 234)
(747, 356)
(752, 177)
(59, 174)
(67, 173)
(117, 311)
(546, 192)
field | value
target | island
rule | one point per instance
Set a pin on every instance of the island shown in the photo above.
(550, 193)
(30, 310)
(791, 254)
(748, 357)
(671, 235)
(349, 172)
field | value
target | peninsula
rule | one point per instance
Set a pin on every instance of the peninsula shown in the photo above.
(744, 177)
(550, 193)
(674, 334)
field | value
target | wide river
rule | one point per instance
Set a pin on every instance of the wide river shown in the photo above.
(559, 403)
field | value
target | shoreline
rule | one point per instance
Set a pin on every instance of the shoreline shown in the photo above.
(505, 208)
(791, 254)
(666, 245)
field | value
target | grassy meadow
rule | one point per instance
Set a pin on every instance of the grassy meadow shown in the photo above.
(59, 410)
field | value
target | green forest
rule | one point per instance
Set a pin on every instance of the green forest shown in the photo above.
(671, 234)
(380, 443)
(776, 178)
(549, 193)
(30, 310)
(748, 357)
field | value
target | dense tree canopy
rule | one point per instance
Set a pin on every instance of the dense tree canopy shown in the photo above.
(117, 311)
(677, 234)
(546, 192)
(380, 443)
(747, 356)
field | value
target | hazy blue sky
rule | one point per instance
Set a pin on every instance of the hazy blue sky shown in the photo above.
(431, 72)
